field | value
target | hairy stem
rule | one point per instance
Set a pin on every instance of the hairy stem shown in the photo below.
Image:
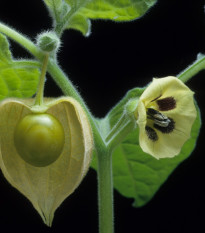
(120, 135)
(21, 39)
(40, 91)
(105, 192)
(193, 69)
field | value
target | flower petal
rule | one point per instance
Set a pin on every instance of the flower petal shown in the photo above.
(162, 88)
(177, 104)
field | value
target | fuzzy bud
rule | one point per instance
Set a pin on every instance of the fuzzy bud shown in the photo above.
(48, 41)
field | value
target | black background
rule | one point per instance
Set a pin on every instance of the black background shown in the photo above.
(115, 58)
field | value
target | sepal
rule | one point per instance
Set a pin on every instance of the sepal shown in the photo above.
(46, 187)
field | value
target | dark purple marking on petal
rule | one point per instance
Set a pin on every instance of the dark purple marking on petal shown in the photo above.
(151, 133)
(166, 104)
(168, 129)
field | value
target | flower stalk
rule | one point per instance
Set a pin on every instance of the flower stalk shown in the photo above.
(40, 91)
(121, 129)
(192, 69)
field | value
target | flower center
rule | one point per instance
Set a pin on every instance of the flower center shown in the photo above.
(157, 121)
(158, 118)
(160, 122)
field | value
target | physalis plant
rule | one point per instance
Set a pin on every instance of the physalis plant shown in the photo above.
(47, 144)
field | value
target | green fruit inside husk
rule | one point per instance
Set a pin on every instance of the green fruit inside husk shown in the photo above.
(39, 139)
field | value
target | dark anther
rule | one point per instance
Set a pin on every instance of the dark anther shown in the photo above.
(170, 127)
(158, 117)
(166, 104)
(152, 112)
(152, 135)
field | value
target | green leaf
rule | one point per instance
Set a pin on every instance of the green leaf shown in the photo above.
(58, 9)
(136, 174)
(17, 78)
(54, 4)
(80, 23)
(121, 10)
(75, 14)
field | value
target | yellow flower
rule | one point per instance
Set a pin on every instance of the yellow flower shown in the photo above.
(45, 184)
(165, 115)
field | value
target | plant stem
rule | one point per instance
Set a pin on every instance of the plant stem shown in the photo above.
(40, 91)
(121, 121)
(126, 128)
(21, 39)
(121, 129)
(193, 69)
(105, 192)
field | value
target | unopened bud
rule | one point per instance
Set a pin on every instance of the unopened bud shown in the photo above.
(48, 41)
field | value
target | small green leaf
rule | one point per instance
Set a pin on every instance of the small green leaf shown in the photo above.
(17, 78)
(136, 174)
